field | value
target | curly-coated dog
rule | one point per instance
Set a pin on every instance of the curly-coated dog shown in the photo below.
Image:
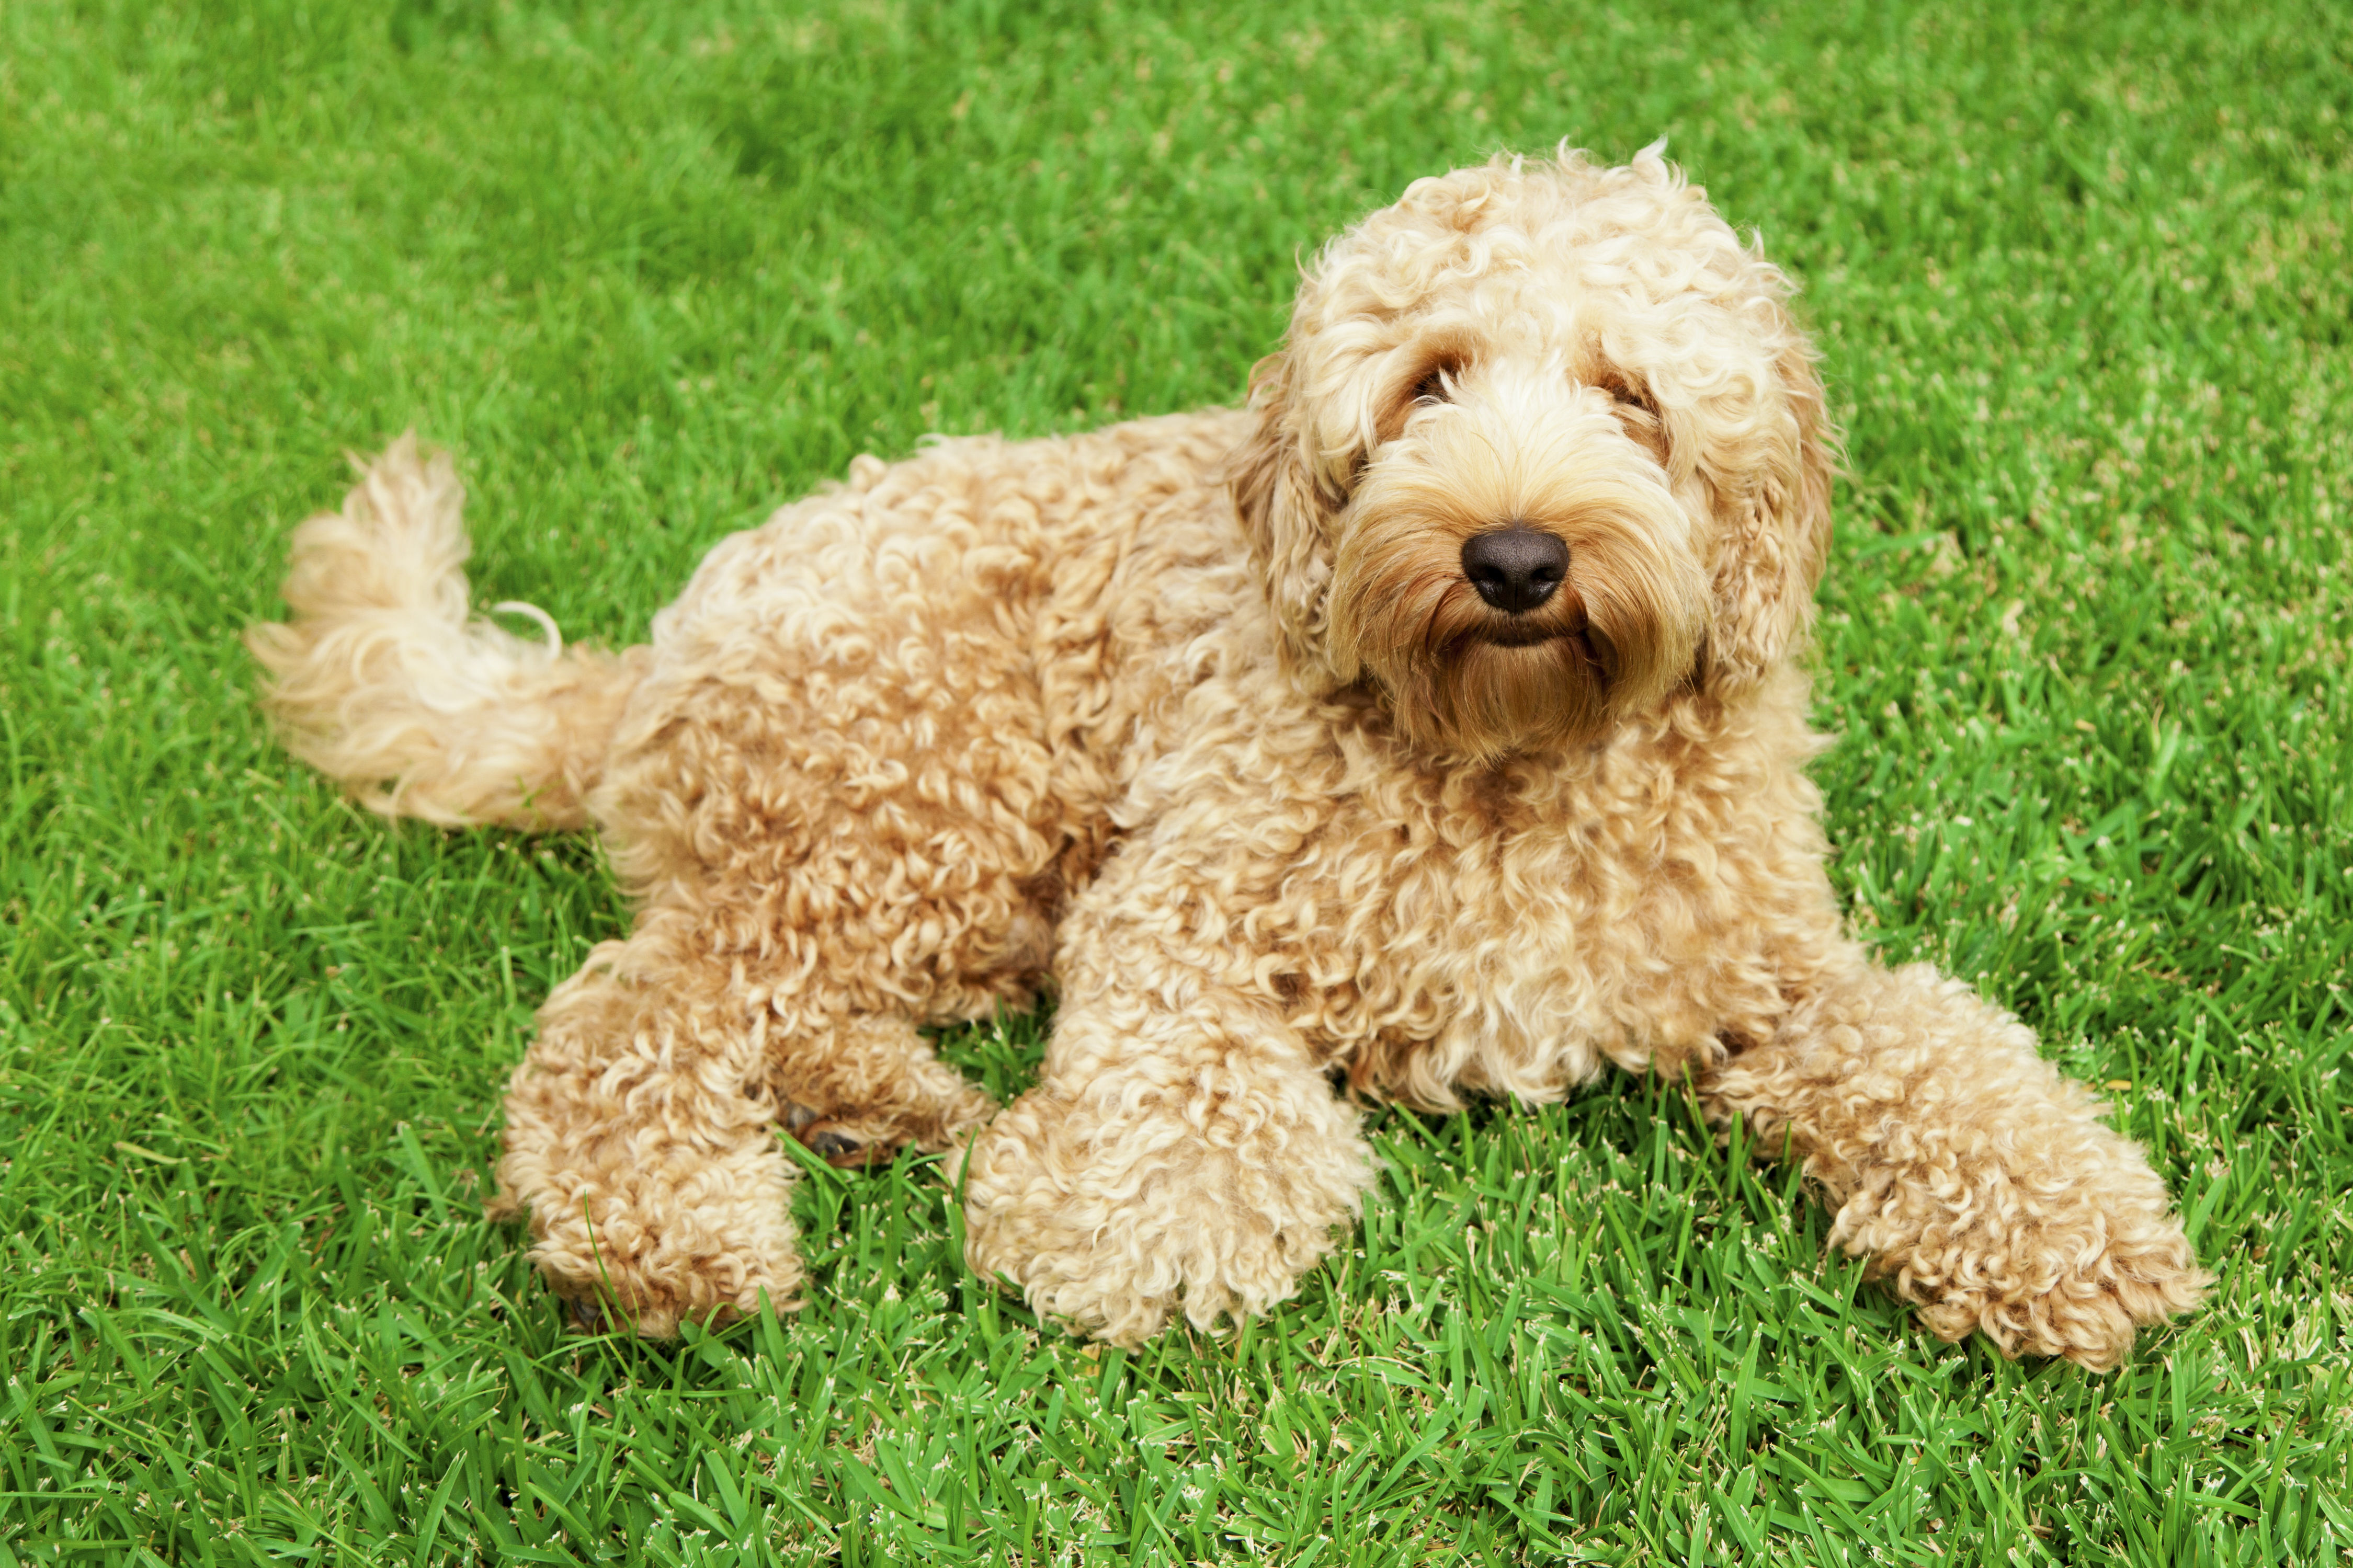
(1431, 726)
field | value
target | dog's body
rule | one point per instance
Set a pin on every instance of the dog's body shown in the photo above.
(1434, 725)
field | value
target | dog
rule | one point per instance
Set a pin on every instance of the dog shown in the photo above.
(1434, 725)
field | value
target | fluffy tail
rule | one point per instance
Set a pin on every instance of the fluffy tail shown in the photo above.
(382, 683)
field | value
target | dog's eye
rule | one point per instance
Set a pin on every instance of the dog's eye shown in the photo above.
(1639, 414)
(1631, 397)
(1432, 387)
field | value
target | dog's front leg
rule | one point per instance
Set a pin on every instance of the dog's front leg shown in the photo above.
(1182, 1150)
(1185, 1157)
(1971, 1175)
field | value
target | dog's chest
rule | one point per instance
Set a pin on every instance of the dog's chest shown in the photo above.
(1509, 964)
(1497, 944)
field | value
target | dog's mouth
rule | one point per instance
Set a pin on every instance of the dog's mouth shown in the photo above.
(1576, 634)
(1519, 634)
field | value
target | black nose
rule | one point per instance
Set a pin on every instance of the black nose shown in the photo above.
(1514, 569)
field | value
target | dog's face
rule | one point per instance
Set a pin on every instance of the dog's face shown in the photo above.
(1542, 447)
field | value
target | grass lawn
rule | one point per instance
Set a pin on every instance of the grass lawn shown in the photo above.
(2082, 278)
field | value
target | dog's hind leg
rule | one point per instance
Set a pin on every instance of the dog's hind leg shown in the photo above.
(1963, 1167)
(793, 931)
(643, 1128)
(641, 1140)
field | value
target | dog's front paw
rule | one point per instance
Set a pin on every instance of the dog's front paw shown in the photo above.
(1117, 1232)
(2056, 1273)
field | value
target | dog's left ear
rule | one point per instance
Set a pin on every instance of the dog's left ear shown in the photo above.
(1286, 518)
(1776, 538)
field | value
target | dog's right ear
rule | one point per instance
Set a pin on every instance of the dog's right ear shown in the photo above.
(1286, 519)
(1776, 540)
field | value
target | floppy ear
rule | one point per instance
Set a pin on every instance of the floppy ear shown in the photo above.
(1286, 519)
(1778, 539)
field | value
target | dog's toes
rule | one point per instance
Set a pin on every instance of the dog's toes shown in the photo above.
(851, 1140)
(838, 1147)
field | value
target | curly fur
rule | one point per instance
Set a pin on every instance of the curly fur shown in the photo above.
(1203, 718)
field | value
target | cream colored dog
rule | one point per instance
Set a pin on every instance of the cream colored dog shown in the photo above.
(1431, 727)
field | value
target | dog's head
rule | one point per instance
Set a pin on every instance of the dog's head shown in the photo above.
(1543, 447)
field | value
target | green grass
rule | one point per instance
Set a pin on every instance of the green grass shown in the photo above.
(2082, 278)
